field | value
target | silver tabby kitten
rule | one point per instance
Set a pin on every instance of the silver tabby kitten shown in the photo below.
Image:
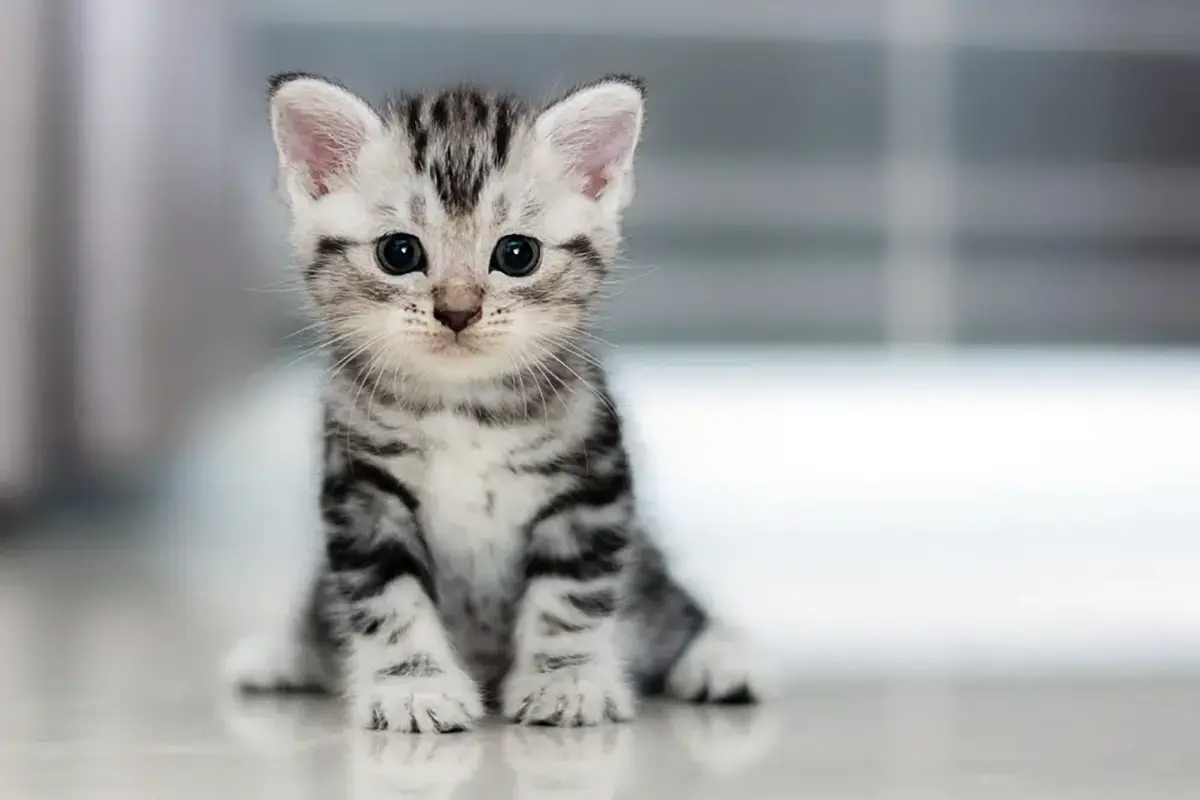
(482, 546)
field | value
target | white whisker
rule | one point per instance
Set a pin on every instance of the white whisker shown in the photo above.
(558, 341)
(599, 395)
(380, 357)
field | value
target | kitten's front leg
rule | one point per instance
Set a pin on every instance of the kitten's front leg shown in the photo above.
(402, 673)
(567, 669)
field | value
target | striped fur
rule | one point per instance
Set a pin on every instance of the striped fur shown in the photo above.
(482, 545)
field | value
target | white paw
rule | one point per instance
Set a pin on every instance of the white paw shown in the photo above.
(275, 664)
(569, 697)
(444, 703)
(718, 668)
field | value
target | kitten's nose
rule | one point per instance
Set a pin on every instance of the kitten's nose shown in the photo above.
(457, 319)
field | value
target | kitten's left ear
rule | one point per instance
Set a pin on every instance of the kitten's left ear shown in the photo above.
(594, 131)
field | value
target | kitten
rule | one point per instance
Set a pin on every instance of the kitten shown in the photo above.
(482, 546)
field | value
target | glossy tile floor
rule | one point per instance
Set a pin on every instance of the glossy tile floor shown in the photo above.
(999, 575)
(108, 690)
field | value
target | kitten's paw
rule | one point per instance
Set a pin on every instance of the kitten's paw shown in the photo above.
(275, 664)
(444, 703)
(569, 697)
(717, 667)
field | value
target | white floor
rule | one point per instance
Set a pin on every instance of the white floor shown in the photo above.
(108, 691)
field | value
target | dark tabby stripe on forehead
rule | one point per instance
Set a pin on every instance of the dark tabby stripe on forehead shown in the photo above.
(458, 137)
(481, 110)
(417, 136)
(440, 112)
(502, 134)
(458, 184)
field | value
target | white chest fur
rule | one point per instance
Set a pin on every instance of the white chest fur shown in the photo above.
(474, 507)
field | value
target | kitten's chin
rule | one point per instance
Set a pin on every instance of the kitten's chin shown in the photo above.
(455, 363)
(463, 363)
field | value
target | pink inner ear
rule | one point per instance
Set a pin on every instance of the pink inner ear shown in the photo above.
(596, 148)
(324, 144)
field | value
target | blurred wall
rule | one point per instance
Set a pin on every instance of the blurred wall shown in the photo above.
(124, 287)
(18, 132)
(868, 171)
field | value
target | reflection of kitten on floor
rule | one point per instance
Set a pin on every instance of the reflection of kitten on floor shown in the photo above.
(428, 767)
(271, 723)
(725, 741)
(558, 764)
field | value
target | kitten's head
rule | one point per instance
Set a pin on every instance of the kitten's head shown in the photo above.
(455, 236)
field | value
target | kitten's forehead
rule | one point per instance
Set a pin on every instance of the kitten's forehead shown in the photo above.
(458, 138)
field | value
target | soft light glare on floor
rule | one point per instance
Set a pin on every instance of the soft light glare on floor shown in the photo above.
(995, 510)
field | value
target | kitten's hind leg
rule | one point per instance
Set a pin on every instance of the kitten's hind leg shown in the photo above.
(718, 667)
(275, 662)
(681, 651)
(295, 658)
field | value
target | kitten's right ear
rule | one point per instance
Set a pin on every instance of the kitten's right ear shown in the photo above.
(320, 129)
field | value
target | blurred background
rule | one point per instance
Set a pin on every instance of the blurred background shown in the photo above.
(908, 330)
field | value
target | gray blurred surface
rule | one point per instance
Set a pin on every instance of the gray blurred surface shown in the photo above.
(18, 108)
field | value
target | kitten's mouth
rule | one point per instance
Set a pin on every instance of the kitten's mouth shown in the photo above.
(460, 344)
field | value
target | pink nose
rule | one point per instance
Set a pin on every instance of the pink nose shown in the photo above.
(457, 320)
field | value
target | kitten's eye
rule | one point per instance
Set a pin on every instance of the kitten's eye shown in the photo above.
(400, 254)
(516, 255)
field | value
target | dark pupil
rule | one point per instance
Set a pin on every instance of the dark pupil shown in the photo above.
(400, 253)
(401, 250)
(517, 254)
